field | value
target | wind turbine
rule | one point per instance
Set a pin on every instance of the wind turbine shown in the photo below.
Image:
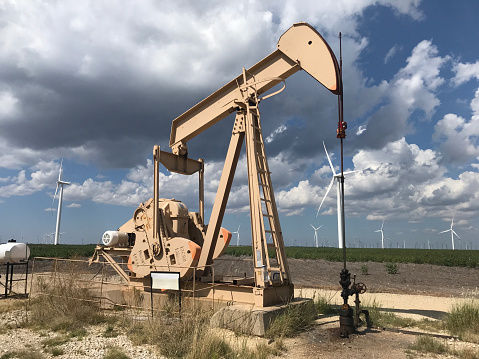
(452, 233)
(382, 234)
(337, 177)
(60, 184)
(238, 236)
(316, 234)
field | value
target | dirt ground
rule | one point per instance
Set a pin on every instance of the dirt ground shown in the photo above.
(422, 289)
(411, 278)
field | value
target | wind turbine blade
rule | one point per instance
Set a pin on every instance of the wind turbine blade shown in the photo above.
(447, 230)
(377, 231)
(322, 225)
(54, 196)
(329, 159)
(239, 227)
(382, 225)
(349, 172)
(329, 189)
(455, 233)
(60, 171)
(312, 226)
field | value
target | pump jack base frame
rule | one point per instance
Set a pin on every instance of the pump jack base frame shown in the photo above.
(231, 293)
(235, 291)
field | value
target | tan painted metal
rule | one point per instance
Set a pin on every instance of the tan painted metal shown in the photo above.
(163, 235)
(301, 47)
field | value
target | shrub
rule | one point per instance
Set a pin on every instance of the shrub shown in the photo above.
(391, 268)
(364, 269)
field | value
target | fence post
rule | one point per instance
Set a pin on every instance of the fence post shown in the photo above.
(101, 285)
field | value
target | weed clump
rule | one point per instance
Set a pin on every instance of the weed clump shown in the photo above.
(323, 305)
(115, 353)
(364, 269)
(24, 354)
(295, 319)
(463, 321)
(426, 344)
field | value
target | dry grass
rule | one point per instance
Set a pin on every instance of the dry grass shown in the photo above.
(295, 319)
(463, 321)
(23, 354)
(115, 353)
(64, 305)
(427, 344)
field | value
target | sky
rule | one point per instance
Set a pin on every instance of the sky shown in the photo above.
(97, 85)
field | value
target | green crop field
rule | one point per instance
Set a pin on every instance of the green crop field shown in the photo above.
(61, 250)
(442, 257)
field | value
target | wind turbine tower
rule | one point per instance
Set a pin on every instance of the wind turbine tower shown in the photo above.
(316, 234)
(237, 235)
(60, 184)
(382, 234)
(337, 177)
(452, 233)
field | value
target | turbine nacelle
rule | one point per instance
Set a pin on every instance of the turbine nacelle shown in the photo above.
(452, 233)
(316, 234)
(336, 176)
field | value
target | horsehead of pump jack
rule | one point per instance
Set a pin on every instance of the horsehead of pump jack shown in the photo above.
(163, 234)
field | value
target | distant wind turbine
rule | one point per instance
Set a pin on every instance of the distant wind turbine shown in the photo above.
(382, 234)
(237, 235)
(452, 233)
(337, 177)
(60, 184)
(316, 234)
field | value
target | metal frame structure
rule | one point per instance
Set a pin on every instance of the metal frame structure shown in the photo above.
(299, 48)
(9, 279)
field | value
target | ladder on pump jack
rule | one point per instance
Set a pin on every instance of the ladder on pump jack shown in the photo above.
(263, 204)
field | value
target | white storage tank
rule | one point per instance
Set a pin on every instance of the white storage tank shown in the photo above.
(13, 252)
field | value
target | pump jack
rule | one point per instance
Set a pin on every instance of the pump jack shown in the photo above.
(164, 236)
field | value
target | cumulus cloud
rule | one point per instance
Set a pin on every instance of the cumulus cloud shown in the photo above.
(38, 177)
(458, 137)
(110, 97)
(412, 89)
(399, 181)
(465, 72)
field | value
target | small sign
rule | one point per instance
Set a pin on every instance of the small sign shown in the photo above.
(165, 280)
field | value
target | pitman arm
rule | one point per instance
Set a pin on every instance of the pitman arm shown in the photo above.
(299, 48)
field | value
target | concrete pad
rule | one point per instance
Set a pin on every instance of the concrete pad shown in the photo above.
(246, 319)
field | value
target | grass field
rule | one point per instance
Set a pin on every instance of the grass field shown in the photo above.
(442, 257)
(61, 250)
